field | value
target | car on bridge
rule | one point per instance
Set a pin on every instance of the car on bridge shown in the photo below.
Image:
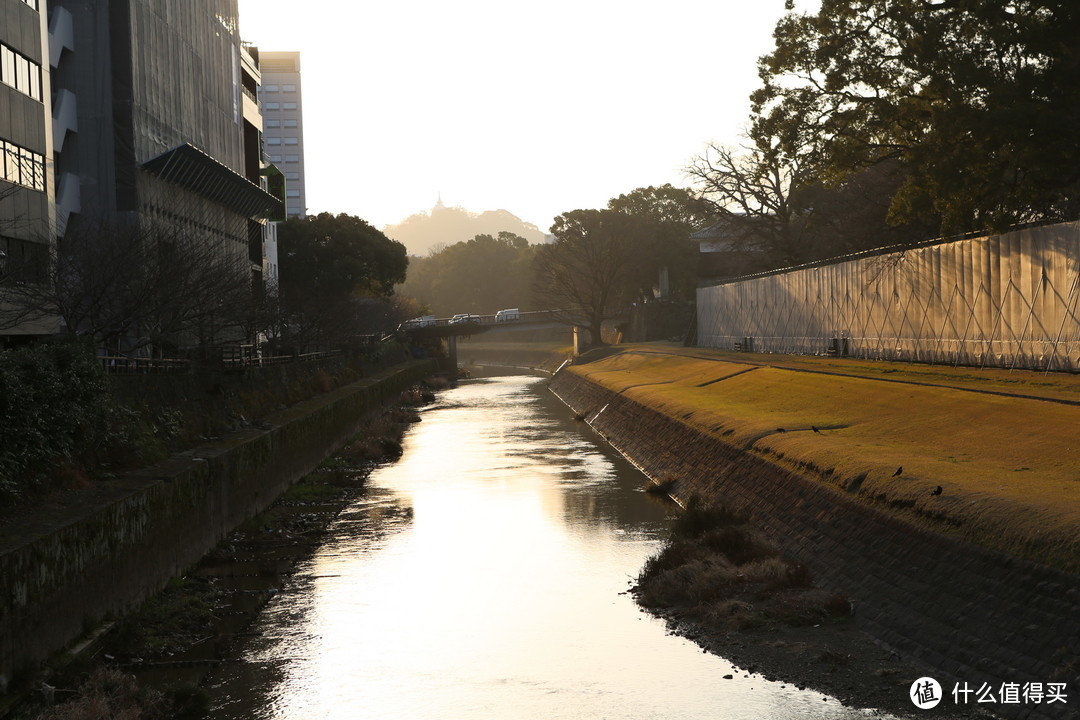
(464, 318)
(508, 315)
(423, 321)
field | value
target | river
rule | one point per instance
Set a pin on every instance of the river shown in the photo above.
(485, 575)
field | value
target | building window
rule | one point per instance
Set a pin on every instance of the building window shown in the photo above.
(272, 141)
(20, 73)
(275, 158)
(273, 123)
(288, 106)
(292, 193)
(23, 261)
(289, 123)
(288, 88)
(292, 176)
(269, 88)
(292, 158)
(21, 166)
(291, 141)
(271, 106)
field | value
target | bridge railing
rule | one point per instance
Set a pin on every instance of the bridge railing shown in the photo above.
(523, 317)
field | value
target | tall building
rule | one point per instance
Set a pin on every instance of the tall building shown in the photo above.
(158, 122)
(27, 199)
(283, 124)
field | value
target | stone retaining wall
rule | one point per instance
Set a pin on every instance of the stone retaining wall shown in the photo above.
(86, 563)
(977, 615)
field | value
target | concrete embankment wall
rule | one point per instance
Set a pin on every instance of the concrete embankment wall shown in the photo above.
(977, 615)
(143, 529)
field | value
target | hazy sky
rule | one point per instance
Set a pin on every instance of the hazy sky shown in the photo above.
(535, 108)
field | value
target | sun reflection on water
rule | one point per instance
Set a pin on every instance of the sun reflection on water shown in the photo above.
(484, 576)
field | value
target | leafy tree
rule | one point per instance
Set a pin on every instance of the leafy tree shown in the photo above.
(328, 262)
(664, 217)
(971, 97)
(337, 256)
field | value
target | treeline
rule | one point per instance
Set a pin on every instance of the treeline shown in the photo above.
(648, 230)
(479, 276)
(600, 263)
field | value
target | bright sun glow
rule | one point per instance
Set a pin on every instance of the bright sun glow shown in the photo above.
(534, 108)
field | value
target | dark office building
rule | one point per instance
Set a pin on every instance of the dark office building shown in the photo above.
(158, 121)
(26, 153)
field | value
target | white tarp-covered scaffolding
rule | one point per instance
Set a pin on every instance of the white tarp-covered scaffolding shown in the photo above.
(1005, 300)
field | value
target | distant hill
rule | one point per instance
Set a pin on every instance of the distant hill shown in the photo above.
(443, 226)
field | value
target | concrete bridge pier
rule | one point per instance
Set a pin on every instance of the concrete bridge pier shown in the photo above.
(451, 347)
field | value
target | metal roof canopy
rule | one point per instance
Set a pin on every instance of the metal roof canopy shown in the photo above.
(192, 169)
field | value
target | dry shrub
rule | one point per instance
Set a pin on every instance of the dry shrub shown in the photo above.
(729, 614)
(681, 574)
(738, 543)
(776, 573)
(699, 518)
(412, 397)
(322, 381)
(69, 476)
(109, 694)
(662, 485)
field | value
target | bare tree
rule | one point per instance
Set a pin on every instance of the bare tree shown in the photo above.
(753, 190)
(584, 272)
(134, 287)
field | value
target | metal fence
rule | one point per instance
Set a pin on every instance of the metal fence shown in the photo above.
(229, 358)
(1006, 300)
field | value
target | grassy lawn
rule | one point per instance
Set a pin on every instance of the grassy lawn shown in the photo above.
(1009, 466)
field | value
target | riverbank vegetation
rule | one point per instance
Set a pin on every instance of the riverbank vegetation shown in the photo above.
(149, 664)
(1006, 464)
(722, 583)
(66, 422)
(60, 423)
(723, 571)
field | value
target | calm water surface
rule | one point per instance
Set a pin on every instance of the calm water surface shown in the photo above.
(484, 576)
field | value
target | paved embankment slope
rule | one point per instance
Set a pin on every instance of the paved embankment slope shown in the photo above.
(840, 461)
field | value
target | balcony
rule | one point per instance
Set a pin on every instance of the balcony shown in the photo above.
(251, 111)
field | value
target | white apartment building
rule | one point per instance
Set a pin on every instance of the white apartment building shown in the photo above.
(283, 124)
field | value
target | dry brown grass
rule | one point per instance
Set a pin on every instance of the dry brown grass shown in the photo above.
(1009, 466)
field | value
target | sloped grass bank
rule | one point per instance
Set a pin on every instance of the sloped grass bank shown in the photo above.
(1008, 466)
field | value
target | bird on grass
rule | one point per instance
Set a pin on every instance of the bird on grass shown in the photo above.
(814, 428)
(936, 491)
(899, 471)
(780, 430)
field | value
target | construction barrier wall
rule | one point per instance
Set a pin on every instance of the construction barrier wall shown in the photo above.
(1005, 300)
